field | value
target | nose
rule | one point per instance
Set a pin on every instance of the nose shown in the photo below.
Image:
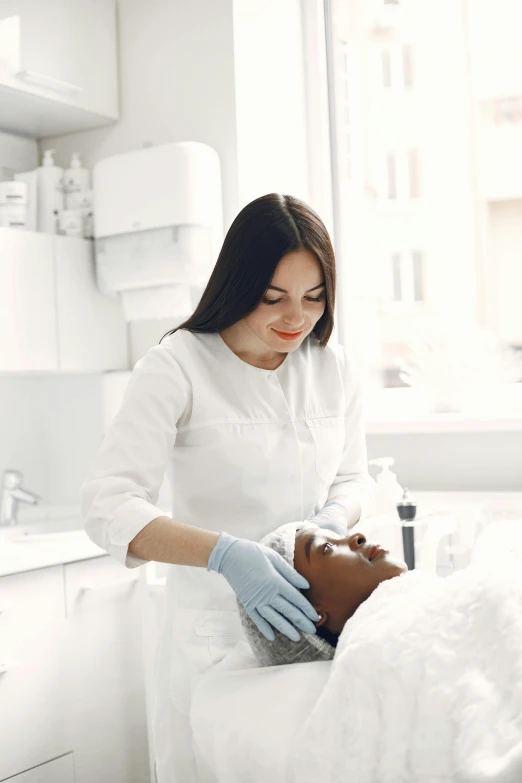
(294, 316)
(356, 541)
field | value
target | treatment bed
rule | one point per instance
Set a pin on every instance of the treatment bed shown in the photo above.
(409, 696)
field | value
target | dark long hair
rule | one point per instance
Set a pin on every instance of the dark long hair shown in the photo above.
(262, 233)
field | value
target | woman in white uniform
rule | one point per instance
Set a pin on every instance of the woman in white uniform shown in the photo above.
(261, 421)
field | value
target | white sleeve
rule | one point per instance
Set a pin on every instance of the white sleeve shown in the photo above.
(118, 495)
(353, 481)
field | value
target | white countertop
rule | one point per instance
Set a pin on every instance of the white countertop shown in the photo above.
(41, 550)
(32, 554)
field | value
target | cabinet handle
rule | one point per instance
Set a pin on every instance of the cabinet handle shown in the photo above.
(97, 586)
(48, 81)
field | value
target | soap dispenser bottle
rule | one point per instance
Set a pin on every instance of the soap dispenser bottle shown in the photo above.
(76, 181)
(388, 490)
(50, 193)
(388, 494)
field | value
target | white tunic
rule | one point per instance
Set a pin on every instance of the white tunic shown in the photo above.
(250, 449)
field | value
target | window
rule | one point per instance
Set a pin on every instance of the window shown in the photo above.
(402, 175)
(428, 192)
(397, 66)
(407, 277)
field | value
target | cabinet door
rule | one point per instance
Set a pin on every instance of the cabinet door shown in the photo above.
(57, 771)
(27, 303)
(92, 331)
(106, 673)
(33, 697)
(65, 52)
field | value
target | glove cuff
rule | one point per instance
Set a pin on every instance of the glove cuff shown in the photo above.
(223, 543)
(333, 510)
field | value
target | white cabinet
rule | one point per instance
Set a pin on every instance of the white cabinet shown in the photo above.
(52, 315)
(108, 711)
(58, 65)
(91, 329)
(72, 675)
(57, 771)
(34, 726)
(28, 336)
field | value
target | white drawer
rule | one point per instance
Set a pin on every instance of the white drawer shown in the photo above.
(91, 583)
(31, 605)
(33, 654)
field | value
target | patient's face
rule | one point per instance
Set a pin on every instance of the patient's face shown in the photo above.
(340, 572)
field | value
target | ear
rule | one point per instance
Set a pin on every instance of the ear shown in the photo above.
(324, 615)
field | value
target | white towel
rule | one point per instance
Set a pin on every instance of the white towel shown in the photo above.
(426, 684)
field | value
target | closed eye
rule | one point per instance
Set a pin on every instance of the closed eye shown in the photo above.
(327, 544)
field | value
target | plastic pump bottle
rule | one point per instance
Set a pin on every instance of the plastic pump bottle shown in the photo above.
(388, 495)
(388, 491)
(50, 193)
(76, 182)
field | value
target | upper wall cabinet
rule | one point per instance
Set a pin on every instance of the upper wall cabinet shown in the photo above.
(58, 66)
(52, 315)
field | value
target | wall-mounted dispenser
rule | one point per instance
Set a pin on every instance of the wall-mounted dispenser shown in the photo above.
(158, 227)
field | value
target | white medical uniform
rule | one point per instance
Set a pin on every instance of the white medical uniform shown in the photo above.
(250, 449)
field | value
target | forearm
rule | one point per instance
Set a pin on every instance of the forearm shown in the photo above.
(167, 541)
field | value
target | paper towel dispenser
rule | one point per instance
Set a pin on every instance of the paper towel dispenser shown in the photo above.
(158, 227)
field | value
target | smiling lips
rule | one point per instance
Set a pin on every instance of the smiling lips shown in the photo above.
(288, 335)
(375, 551)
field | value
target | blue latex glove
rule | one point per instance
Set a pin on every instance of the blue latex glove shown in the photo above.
(265, 584)
(333, 516)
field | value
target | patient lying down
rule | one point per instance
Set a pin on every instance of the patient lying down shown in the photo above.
(426, 677)
(342, 573)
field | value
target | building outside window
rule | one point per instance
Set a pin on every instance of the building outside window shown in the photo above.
(426, 106)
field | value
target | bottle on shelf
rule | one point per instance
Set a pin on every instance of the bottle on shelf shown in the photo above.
(388, 490)
(76, 180)
(388, 494)
(50, 193)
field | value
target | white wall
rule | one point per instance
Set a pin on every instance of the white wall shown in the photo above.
(16, 154)
(176, 62)
(270, 99)
(504, 246)
(460, 461)
(52, 427)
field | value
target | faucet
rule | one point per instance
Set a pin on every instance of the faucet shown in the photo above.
(11, 494)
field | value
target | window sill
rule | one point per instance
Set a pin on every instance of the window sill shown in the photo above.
(405, 410)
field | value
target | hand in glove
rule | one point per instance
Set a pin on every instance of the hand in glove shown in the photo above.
(265, 584)
(333, 516)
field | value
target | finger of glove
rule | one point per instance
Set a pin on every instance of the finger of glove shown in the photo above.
(279, 622)
(302, 605)
(293, 613)
(286, 570)
(265, 628)
(334, 525)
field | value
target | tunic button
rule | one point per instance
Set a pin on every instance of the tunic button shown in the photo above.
(293, 478)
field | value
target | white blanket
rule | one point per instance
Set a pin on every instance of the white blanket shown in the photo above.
(426, 684)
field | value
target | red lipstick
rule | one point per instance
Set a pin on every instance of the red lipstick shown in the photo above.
(288, 335)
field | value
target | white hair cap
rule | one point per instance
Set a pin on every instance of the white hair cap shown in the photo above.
(282, 650)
